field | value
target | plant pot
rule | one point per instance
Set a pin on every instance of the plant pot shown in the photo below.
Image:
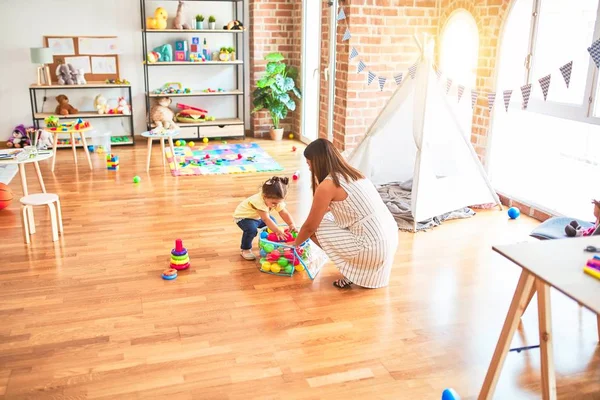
(211, 25)
(232, 56)
(199, 24)
(276, 134)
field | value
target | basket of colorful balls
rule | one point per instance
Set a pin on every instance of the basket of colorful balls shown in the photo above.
(279, 257)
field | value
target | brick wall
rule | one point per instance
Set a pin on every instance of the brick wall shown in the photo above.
(273, 27)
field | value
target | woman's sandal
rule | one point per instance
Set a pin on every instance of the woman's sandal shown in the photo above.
(342, 283)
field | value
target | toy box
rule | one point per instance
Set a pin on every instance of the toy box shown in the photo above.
(281, 258)
(99, 142)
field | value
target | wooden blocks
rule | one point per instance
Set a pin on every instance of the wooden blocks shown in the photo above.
(112, 162)
(180, 56)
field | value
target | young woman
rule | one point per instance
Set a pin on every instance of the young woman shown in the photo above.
(359, 234)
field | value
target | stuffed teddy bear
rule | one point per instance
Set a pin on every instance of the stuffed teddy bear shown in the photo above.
(574, 229)
(19, 137)
(63, 107)
(161, 115)
(100, 104)
(63, 74)
(234, 25)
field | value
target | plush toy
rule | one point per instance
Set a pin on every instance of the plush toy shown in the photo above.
(63, 74)
(234, 25)
(165, 52)
(574, 229)
(152, 57)
(123, 107)
(63, 107)
(100, 104)
(44, 140)
(161, 115)
(79, 77)
(19, 137)
(179, 17)
(159, 21)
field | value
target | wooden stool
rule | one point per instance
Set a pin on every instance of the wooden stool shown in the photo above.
(41, 199)
(162, 135)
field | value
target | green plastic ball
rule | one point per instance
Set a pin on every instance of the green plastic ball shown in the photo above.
(283, 261)
(262, 261)
(294, 235)
(136, 179)
(268, 247)
(288, 268)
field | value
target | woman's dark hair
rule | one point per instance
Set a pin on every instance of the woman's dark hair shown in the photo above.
(275, 188)
(326, 160)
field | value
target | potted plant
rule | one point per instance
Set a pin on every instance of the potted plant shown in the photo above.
(231, 52)
(223, 54)
(273, 92)
(199, 21)
(211, 22)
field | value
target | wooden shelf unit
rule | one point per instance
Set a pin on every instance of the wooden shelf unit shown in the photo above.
(199, 94)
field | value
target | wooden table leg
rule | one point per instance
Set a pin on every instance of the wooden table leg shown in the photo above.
(39, 176)
(55, 148)
(162, 148)
(513, 317)
(531, 294)
(26, 193)
(173, 152)
(85, 148)
(546, 351)
(73, 147)
(149, 151)
(598, 323)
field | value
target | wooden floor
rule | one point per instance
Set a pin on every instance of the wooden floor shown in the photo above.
(90, 317)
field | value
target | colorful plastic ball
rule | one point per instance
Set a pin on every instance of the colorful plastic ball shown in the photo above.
(276, 253)
(269, 247)
(266, 266)
(263, 235)
(136, 179)
(263, 253)
(205, 140)
(514, 212)
(191, 144)
(269, 230)
(450, 394)
(291, 136)
(6, 196)
(296, 261)
(288, 269)
(283, 261)
(294, 148)
(275, 268)
(299, 267)
(294, 235)
(240, 156)
(271, 237)
(182, 142)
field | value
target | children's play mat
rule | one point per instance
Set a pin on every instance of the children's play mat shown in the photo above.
(222, 159)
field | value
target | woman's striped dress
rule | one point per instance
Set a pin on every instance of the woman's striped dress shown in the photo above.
(360, 235)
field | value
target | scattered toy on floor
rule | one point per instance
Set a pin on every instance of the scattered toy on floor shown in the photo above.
(19, 137)
(169, 274)
(514, 212)
(207, 156)
(296, 175)
(191, 144)
(6, 196)
(179, 256)
(294, 148)
(450, 394)
(291, 136)
(239, 156)
(136, 179)
(205, 140)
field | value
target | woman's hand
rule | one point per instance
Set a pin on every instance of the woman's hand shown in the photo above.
(293, 229)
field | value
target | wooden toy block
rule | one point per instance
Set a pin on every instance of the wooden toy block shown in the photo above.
(180, 56)
(195, 40)
(181, 45)
(194, 48)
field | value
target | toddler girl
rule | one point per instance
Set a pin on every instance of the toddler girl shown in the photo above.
(254, 213)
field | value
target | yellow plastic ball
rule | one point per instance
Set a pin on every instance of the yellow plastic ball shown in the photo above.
(266, 266)
(205, 140)
(191, 144)
(291, 136)
(299, 267)
(275, 268)
(269, 230)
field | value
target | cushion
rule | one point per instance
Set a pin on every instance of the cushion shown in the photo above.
(554, 228)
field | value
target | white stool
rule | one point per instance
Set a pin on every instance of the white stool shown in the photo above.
(41, 199)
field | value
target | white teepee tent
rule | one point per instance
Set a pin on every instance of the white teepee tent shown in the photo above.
(417, 136)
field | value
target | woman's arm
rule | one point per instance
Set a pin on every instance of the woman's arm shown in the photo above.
(321, 200)
(287, 218)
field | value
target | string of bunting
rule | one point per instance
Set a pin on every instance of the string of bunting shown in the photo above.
(544, 82)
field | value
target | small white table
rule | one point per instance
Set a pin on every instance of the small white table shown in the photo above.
(81, 133)
(162, 135)
(40, 156)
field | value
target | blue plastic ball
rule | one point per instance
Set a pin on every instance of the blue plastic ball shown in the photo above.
(514, 212)
(263, 253)
(450, 394)
(264, 234)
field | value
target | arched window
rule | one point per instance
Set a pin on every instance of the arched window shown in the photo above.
(459, 50)
(548, 155)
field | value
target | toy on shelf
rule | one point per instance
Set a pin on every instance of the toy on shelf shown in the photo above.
(121, 108)
(159, 21)
(117, 82)
(224, 54)
(120, 139)
(234, 25)
(161, 115)
(190, 114)
(53, 125)
(101, 105)
(80, 124)
(112, 162)
(177, 22)
(282, 258)
(63, 107)
(66, 74)
(51, 121)
(165, 52)
(152, 57)
(168, 88)
(19, 137)
(179, 256)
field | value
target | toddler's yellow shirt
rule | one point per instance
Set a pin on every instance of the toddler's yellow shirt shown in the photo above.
(248, 208)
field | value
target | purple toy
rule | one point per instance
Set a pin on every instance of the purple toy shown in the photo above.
(20, 136)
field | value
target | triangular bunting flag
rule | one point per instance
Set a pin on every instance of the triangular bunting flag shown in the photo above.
(398, 78)
(361, 67)
(545, 84)
(491, 100)
(370, 78)
(594, 51)
(347, 35)
(341, 15)
(461, 90)
(448, 84)
(565, 70)
(381, 82)
(474, 96)
(507, 94)
(412, 70)
(438, 72)
(353, 53)
(526, 92)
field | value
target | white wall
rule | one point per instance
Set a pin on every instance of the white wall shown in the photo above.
(25, 22)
